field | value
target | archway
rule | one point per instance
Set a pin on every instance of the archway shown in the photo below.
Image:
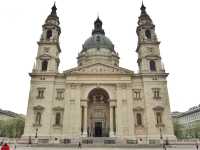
(98, 114)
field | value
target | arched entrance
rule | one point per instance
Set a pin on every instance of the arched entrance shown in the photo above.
(98, 114)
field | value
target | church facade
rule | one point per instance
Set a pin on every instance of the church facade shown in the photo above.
(98, 98)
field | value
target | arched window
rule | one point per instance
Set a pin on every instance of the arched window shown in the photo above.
(49, 34)
(44, 65)
(38, 118)
(152, 65)
(139, 119)
(148, 34)
(57, 120)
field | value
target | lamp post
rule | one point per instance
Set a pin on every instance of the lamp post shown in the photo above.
(36, 132)
(36, 135)
(161, 136)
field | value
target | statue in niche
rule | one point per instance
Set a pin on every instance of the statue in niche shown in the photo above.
(101, 98)
(98, 98)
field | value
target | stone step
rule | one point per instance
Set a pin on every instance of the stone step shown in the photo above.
(99, 140)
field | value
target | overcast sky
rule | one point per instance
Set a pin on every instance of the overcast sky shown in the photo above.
(177, 27)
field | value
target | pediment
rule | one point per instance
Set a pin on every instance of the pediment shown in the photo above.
(158, 108)
(152, 56)
(38, 107)
(45, 56)
(58, 108)
(99, 68)
(138, 108)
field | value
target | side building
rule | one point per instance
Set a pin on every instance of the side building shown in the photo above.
(187, 124)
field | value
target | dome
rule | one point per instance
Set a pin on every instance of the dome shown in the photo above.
(98, 48)
(98, 41)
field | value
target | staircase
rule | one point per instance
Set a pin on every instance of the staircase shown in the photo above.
(100, 140)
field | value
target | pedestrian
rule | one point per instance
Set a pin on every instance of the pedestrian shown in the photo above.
(29, 140)
(164, 146)
(2, 142)
(79, 144)
(197, 146)
(5, 147)
(167, 141)
(14, 147)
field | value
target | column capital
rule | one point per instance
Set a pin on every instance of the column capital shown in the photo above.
(83, 102)
(84, 106)
(113, 102)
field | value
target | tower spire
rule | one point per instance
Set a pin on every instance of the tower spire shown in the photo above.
(143, 9)
(53, 14)
(144, 18)
(53, 10)
(52, 23)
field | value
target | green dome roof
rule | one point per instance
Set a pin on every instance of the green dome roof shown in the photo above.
(98, 38)
(98, 41)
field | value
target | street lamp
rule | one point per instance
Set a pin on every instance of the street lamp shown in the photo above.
(36, 131)
(161, 136)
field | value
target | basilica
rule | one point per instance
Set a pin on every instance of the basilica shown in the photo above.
(98, 98)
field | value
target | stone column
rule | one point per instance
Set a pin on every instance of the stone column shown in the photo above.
(85, 122)
(82, 119)
(111, 122)
(114, 119)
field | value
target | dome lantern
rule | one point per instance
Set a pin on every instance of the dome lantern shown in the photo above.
(98, 27)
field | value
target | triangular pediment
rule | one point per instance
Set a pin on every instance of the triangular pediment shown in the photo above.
(45, 56)
(38, 107)
(99, 68)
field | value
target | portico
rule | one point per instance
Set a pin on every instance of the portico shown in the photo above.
(98, 114)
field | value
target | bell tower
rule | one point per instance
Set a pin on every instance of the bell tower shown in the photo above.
(47, 59)
(149, 60)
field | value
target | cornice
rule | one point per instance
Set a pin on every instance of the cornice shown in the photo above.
(146, 43)
(46, 74)
(50, 43)
(152, 74)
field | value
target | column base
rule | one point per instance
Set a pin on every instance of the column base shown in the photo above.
(84, 134)
(112, 134)
(36, 141)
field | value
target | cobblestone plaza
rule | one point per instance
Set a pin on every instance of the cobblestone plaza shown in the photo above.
(173, 147)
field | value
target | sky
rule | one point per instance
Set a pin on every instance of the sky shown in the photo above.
(177, 27)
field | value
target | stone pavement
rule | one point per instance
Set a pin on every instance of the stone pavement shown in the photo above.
(178, 147)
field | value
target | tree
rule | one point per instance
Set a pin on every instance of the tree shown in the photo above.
(12, 128)
(196, 129)
(178, 130)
